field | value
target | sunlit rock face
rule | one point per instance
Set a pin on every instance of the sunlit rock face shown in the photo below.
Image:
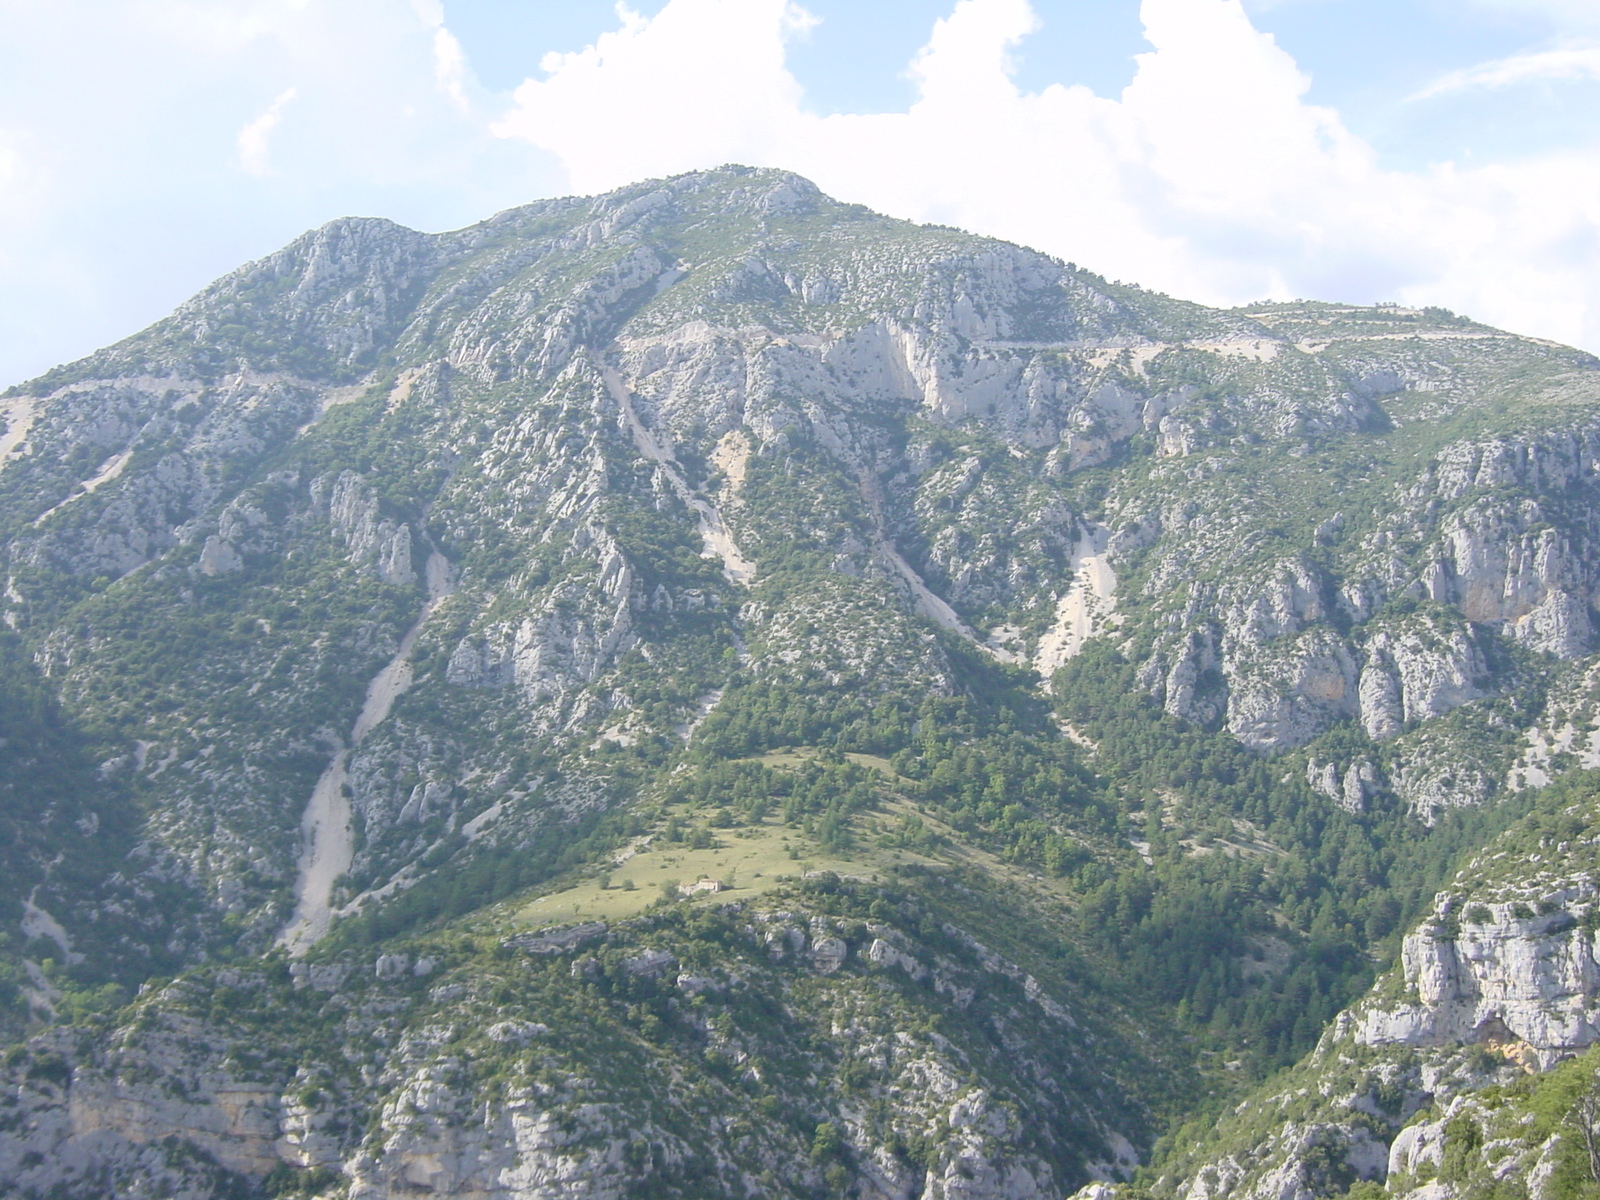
(1500, 971)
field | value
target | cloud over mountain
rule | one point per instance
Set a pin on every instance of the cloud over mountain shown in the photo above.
(1211, 176)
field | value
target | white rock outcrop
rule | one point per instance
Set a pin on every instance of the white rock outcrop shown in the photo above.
(370, 538)
(1496, 972)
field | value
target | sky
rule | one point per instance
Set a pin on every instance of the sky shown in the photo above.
(1439, 152)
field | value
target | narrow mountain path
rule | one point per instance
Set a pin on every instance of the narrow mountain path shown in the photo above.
(714, 533)
(929, 605)
(327, 842)
(108, 471)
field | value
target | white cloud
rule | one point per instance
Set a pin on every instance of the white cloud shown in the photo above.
(451, 74)
(429, 12)
(450, 69)
(1570, 62)
(254, 151)
(703, 81)
(1210, 177)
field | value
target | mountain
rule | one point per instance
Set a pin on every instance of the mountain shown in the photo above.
(709, 691)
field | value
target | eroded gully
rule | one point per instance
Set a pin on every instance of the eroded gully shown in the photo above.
(327, 842)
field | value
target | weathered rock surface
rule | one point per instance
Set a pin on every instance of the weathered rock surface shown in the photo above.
(561, 358)
(1498, 969)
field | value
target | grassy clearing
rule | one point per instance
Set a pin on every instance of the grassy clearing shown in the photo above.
(752, 860)
(804, 754)
(748, 861)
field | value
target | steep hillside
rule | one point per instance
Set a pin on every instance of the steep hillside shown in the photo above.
(826, 1035)
(1070, 696)
(1435, 1083)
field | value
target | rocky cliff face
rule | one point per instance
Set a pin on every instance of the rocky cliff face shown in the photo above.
(1503, 974)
